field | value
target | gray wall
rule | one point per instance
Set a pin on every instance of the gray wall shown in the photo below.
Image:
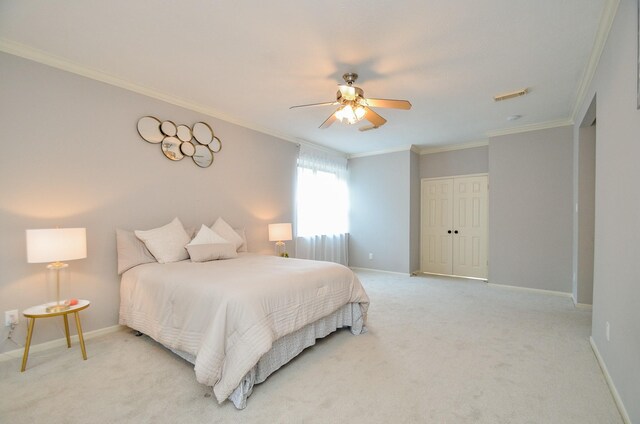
(586, 179)
(72, 157)
(380, 217)
(414, 211)
(474, 160)
(616, 291)
(530, 209)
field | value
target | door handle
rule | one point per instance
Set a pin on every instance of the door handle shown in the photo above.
(449, 231)
(456, 231)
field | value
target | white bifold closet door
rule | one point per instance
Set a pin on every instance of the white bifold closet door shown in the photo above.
(454, 226)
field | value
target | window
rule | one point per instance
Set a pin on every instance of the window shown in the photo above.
(322, 195)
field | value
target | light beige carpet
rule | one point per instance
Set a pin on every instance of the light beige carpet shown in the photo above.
(438, 350)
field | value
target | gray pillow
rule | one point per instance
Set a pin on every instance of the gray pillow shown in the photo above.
(131, 251)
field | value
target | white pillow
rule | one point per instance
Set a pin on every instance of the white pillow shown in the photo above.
(225, 231)
(166, 243)
(207, 245)
(211, 252)
(243, 236)
(206, 236)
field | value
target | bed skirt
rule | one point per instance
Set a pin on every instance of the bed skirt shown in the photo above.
(288, 347)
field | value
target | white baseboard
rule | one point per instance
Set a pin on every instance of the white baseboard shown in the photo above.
(17, 353)
(583, 306)
(357, 268)
(452, 276)
(531, 290)
(612, 387)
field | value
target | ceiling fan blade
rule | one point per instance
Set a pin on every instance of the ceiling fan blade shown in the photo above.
(389, 103)
(316, 104)
(369, 127)
(330, 120)
(374, 118)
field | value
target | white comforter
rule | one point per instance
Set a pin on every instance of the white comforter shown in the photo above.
(228, 313)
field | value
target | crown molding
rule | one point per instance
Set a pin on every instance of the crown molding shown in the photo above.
(415, 149)
(35, 55)
(383, 152)
(606, 22)
(531, 127)
(303, 142)
(429, 150)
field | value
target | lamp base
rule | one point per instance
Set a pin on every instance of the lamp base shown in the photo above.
(281, 249)
(57, 308)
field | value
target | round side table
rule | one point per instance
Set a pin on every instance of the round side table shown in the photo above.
(40, 311)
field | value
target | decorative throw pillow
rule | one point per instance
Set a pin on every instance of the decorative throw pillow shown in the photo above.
(166, 243)
(131, 251)
(243, 236)
(207, 245)
(225, 231)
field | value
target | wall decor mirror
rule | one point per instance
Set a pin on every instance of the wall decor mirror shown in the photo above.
(216, 145)
(187, 148)
(171, 148)
(149, 129)
(177, 140)
(184, 133)
(169, 129)
(202, 133)
(203, 157)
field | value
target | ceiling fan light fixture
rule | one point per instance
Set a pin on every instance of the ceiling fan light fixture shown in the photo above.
(354, 106)
(349, 114)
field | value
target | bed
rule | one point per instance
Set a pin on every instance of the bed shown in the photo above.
(238, 320)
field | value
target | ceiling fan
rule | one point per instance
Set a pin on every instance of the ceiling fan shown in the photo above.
(354, 107)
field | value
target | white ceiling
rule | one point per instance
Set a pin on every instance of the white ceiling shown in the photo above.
(248, 61)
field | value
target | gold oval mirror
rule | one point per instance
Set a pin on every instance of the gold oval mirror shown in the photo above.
(187, 148)
(203, 156)
(184, 133)
(149, 129)
(202, 133)
(216, 145)
(169, 128)
(171, 148)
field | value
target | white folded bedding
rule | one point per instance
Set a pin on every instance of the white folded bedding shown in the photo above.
(228, 313)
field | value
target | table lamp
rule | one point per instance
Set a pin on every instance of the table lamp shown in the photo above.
(56, 245)
(280, 233)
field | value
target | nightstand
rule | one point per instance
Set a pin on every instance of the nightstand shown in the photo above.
(40, 311)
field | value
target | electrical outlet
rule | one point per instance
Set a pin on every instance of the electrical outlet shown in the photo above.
(10, 317)
(608, 332)
(370, 255)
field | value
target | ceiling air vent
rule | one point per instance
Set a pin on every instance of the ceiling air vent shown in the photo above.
(511, 95)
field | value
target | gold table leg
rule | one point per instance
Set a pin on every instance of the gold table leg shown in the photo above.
(79, 327)
(32, 321)
(66, 329)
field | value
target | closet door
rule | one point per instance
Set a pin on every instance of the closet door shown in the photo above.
(470, 226)
(437, 209)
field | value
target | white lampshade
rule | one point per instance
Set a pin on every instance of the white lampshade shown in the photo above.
(280, 232)
(56, 245)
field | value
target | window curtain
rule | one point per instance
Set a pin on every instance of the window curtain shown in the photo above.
(322, 206)
(332, 248)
